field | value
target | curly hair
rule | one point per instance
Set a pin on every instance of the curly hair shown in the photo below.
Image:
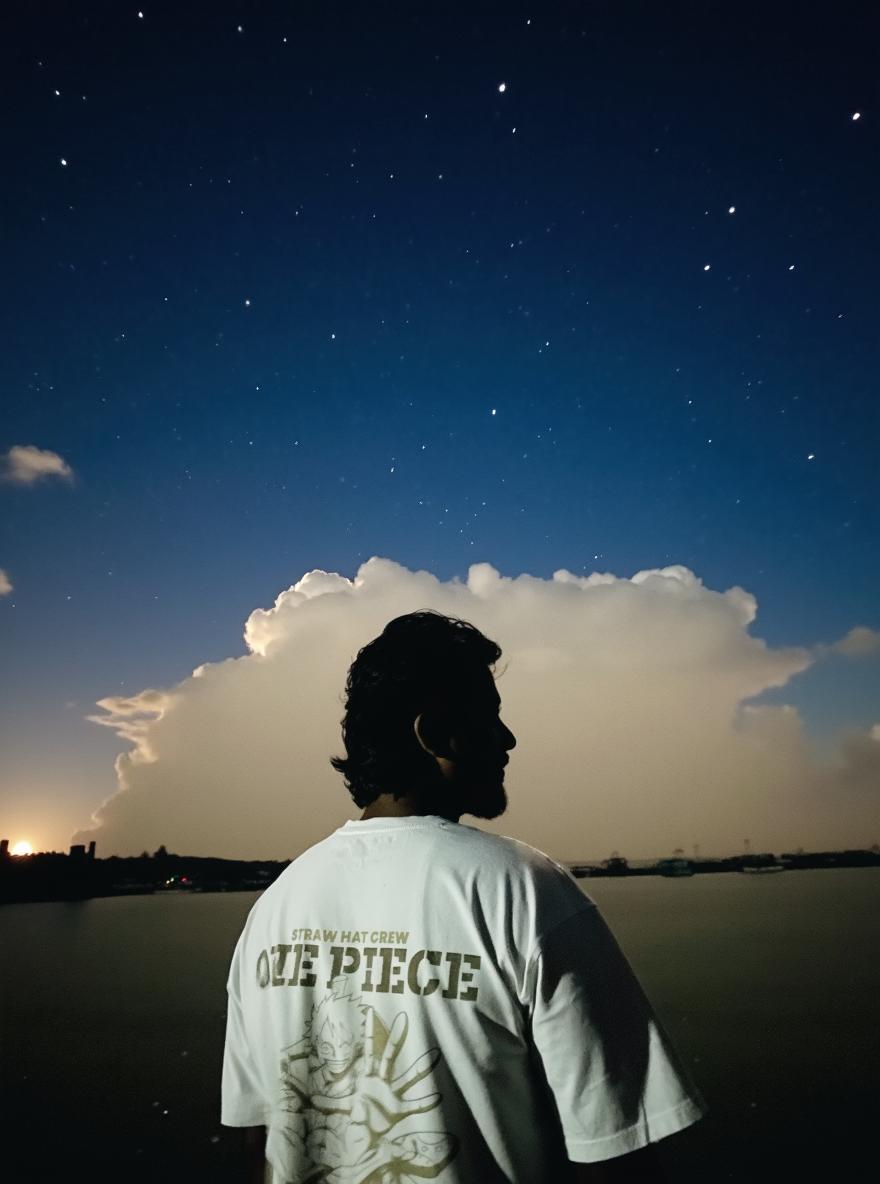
(419, 660)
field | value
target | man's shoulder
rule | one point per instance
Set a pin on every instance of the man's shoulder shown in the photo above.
(302, 863)
(516, 851)
(538, 892)
(504, 853)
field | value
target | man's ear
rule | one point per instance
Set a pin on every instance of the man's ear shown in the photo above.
(430, 735)
(421, 730)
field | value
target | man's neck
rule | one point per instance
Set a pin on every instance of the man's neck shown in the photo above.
(387, 805)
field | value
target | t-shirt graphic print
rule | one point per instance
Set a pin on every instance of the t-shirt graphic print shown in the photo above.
(350, 1090)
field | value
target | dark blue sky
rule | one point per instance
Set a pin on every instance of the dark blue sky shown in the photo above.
(319, 289)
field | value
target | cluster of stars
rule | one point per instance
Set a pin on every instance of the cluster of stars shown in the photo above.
(501, 88)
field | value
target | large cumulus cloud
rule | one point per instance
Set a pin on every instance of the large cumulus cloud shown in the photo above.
(631, 700)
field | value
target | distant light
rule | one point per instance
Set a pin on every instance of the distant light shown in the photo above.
(22, 847)
(707, 266)
(493, 410)
(57, 92)
(791, 267)
(856, 115)
(812, 456)
(502, 87)
(63, 161)
(140, 16)
(731, 209)
(247, 303)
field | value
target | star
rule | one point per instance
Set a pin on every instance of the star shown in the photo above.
(502, 87)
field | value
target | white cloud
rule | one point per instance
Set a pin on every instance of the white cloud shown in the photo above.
(629, 698)
(133, 717)
(25, 464)
(858, 643)
(5, 583)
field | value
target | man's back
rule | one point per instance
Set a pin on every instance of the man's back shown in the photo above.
(419, 996)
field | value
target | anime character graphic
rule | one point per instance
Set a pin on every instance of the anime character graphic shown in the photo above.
(350, 1116)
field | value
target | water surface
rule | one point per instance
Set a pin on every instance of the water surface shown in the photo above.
(113, 1015)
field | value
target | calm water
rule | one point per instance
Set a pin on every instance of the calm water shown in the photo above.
(113, 1016)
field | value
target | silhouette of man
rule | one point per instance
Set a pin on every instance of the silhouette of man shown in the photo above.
(416, 998)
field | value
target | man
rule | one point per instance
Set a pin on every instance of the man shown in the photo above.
(416, 998)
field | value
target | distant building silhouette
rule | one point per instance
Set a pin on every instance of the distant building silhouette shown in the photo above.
(4, 848)
(78, 851)
(92, 849)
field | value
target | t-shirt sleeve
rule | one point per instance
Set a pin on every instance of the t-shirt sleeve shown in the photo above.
(616, 1079)
(241, 1099)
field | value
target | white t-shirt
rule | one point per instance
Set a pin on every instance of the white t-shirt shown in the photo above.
(419, 996)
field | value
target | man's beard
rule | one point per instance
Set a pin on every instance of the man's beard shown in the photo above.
(479, 792)
(489, 801)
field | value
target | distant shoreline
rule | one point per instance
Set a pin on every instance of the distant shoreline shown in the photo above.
(53, 877)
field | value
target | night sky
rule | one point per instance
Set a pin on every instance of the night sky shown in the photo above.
(288, 286)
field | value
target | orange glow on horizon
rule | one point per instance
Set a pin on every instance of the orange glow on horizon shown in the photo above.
(22, 847)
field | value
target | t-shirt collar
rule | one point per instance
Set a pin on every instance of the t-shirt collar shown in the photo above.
(393, 822)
